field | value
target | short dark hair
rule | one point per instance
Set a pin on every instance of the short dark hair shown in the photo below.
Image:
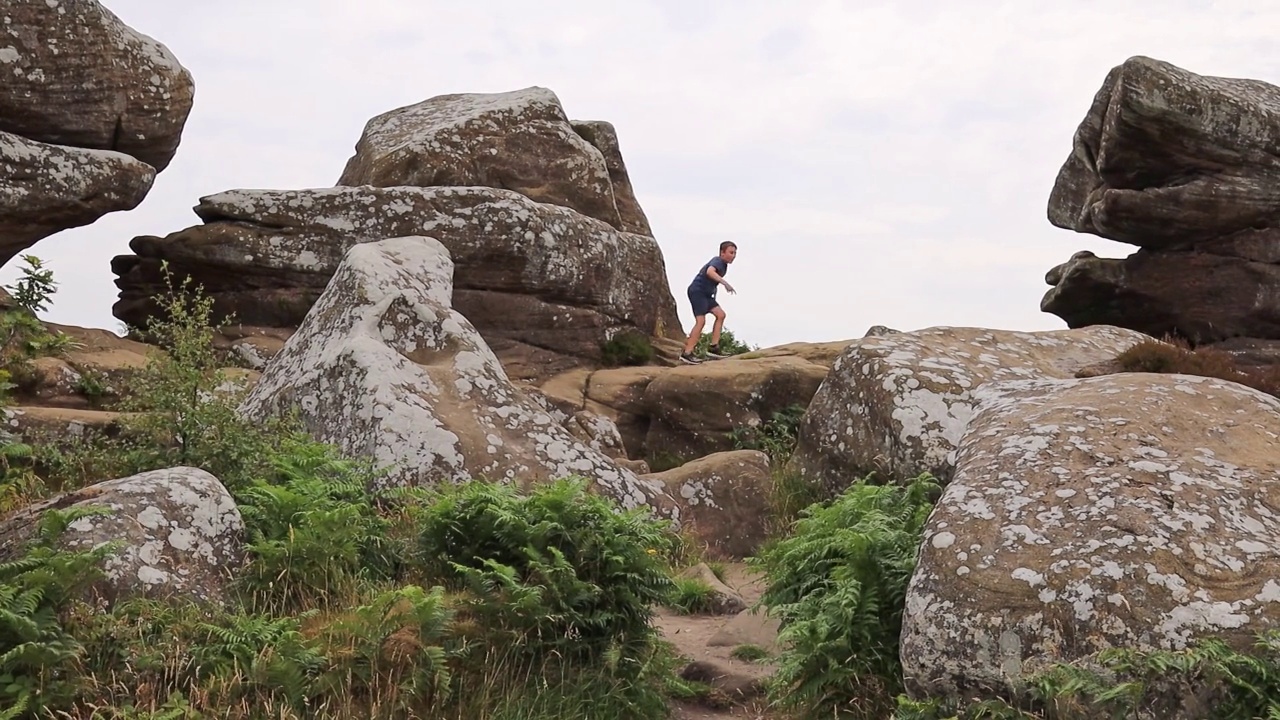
(727, 244)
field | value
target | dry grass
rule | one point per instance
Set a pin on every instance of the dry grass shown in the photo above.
(1175, 356)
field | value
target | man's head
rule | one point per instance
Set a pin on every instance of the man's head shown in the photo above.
(728, 251)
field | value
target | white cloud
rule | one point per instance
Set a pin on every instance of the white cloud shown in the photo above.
(879, 162)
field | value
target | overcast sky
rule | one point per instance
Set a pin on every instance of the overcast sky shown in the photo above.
(877, 162)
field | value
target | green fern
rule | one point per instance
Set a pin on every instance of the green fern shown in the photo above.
(838, 587)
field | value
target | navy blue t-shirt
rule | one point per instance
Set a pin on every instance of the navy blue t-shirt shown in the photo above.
(705, 285)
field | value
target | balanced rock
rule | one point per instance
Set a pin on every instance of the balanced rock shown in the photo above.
(1182, 166)
(520, 141)
(1129, 511)
(383, 366)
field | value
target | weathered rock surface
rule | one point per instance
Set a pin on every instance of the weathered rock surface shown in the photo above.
(46, 188)
(1202, 297)
(724, 499)
(898, 404)
(1186, 167)
(1134, 510)
(693, 410)
(384, 367)
(604, 137)
(76, 75)
(518, 140)
(179, 529)
(535, 278)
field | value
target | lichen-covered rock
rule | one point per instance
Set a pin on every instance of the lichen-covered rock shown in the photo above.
(1133, 510)
(45, 188)
(724, 499)
(528, 275)
(1183, 166)
(179, 530)
(694, 410)
(897, 404)
(384, 367)
(604, 137)
(519, 140)
(75, 75)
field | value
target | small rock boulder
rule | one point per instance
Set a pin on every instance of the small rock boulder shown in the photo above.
(180, 532)
(520, 140)
(725, 500)
(897, 404)
(383, 366)
(724, 601)
(1130, 511)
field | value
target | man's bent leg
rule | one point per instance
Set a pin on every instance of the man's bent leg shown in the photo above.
(692, 341)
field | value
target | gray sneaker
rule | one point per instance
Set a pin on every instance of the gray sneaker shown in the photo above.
(714, 353)
(688, 358)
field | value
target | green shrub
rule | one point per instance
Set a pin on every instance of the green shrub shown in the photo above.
(557, 569)
(22, 336)
(749, 653)
(691, 596)
(313, 531)
(729, 344)
(627, 348)
(838, 587)
(775, 437)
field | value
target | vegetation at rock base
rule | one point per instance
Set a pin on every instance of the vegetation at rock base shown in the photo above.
(777, 437)
(627, 348)
(838, 587)
(729, 344)
(691, 596)
(23, 338)
(1175, 356)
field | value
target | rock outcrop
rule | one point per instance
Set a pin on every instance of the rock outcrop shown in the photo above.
(520, 141)
(90, 110)
(1185, 167)
(897, 404)
(1133, 510)
(382, 366)
(179, 531)
(542, 283)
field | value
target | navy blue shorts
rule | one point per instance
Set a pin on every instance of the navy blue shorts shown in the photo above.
(702, 303)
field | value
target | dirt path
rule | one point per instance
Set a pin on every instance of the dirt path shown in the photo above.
(708, 642)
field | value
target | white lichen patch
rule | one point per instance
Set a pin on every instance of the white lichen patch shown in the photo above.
(1079, 537)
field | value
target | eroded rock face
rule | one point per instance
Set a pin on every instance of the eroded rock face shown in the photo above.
(46, 188)
(694, 410)
(75, 75)
(897, 404)
(604, 137)
(384, 367)
(724, 500)
(179, 529)
(519, 141)
(1183, 166)
(533, 277)
(1133, 510)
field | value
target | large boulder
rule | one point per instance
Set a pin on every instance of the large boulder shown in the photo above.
(76, 75)
(1184, 167)
(1132, 510)
(538, 281)
(519, 141)
(897, 404)
(382, 366)
(45, 189)
(179, 530)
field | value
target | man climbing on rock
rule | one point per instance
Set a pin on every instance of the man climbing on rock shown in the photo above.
(702, 295)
